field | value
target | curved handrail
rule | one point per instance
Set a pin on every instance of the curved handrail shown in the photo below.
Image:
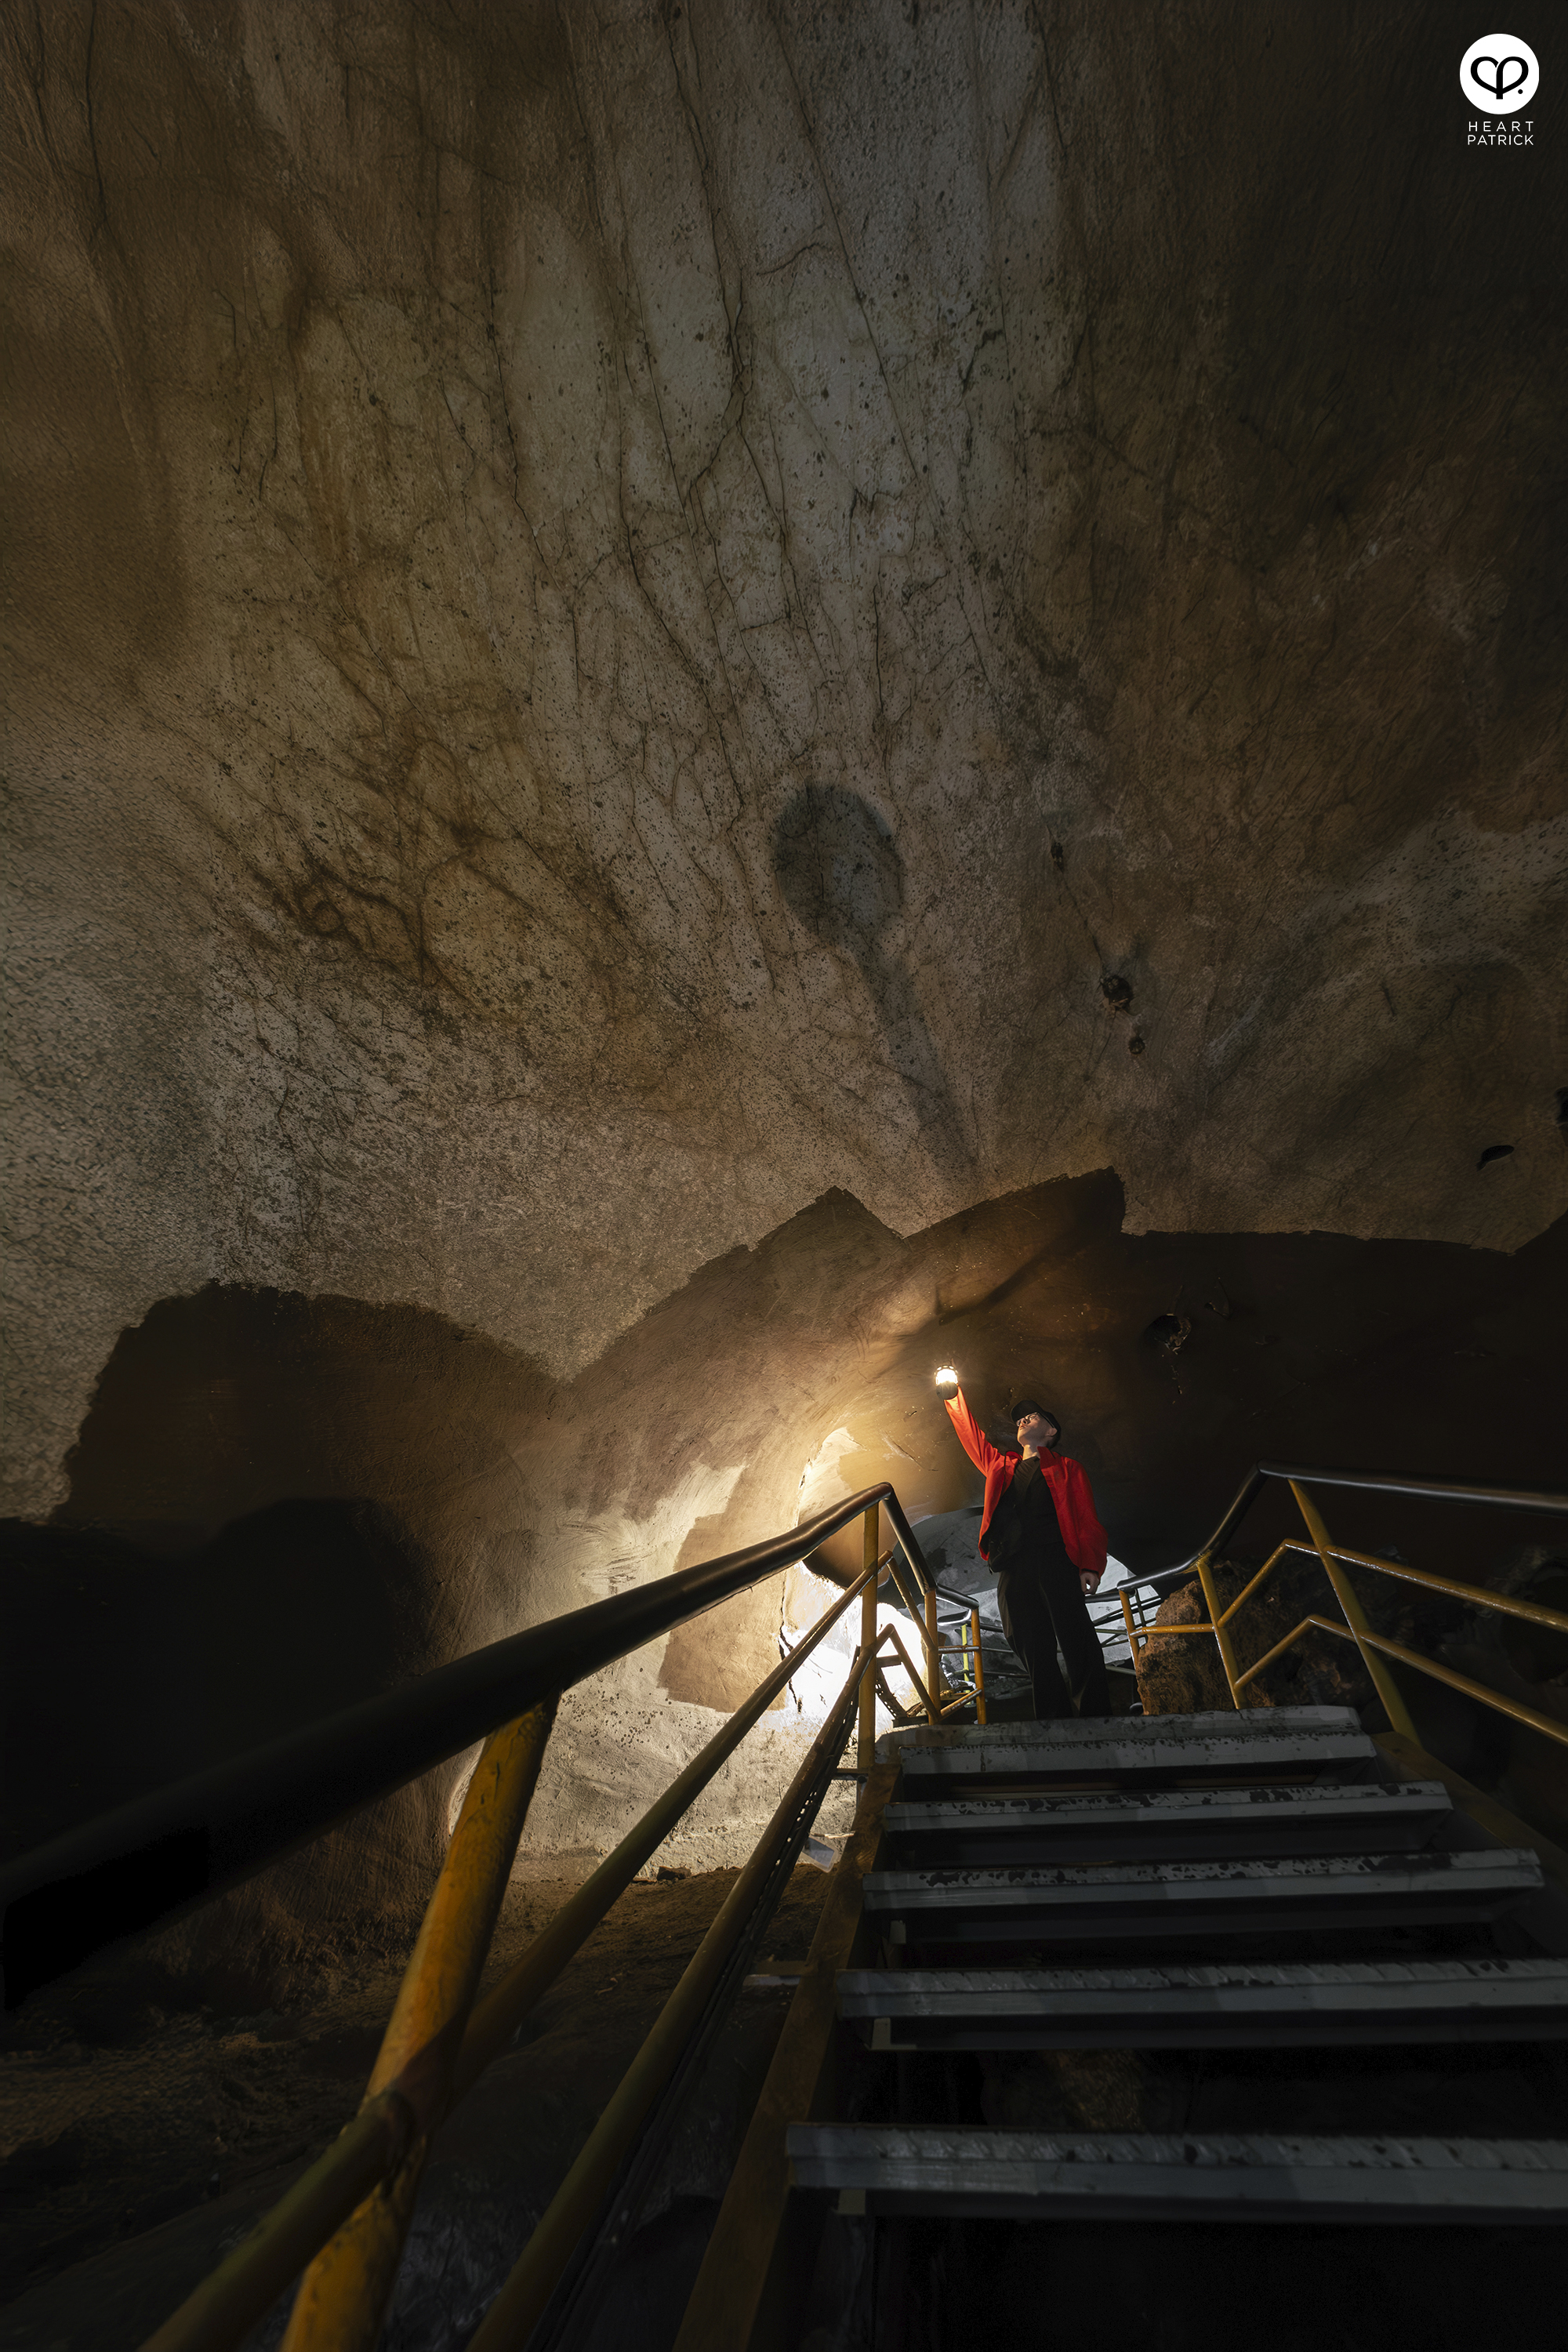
(225, 2305)
(182, 1844)
(1377, 1482)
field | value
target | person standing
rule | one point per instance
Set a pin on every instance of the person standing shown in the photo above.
(1041, 1535)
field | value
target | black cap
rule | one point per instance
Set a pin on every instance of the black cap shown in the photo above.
(1028, 1405)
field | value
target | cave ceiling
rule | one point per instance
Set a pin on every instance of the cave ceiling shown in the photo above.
(622, 617)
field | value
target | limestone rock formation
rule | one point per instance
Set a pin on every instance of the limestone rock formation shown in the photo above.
(571, 569)
(669, 667)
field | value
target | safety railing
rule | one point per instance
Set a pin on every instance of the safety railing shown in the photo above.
(167, 1852)
(345, 2222)
(971, 1659)
(967, 1650)
(954, 1690)
(1375, 1649)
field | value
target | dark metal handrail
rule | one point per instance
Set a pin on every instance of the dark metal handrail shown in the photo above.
(184, 1843)
(1377, 1482)
(418, 2078)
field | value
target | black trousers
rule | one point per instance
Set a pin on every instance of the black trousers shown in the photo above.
(1042, 1605)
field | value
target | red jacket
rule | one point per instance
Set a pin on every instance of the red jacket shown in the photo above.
(1076, 1515)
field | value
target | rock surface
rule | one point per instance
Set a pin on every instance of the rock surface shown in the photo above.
(619, 616)
(706, 699)
(778, 1379)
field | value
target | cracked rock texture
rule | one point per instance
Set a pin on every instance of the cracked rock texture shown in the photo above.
(619, 611)
(623, 619)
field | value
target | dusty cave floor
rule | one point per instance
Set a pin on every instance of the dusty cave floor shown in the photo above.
(103, 2140)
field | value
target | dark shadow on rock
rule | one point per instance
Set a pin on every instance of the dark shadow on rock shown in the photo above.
(842, 877)
(123, 1671)
(228, 1399)
(279, 1506)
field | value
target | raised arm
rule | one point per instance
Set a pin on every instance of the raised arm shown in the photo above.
(971, 1436)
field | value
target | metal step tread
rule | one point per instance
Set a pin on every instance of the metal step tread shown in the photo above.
(1223, 1722)
(1125, 1898)
(1249, 2176)
(1271, 1818)
(1270, 1738)
(1242, 2004)
(1512, 1866)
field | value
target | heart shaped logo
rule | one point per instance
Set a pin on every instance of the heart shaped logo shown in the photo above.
(1499, 73)
(1501, 76)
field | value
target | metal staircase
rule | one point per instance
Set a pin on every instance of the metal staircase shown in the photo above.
(1228, 1891)
(1244, 1868)
(1276, 1880)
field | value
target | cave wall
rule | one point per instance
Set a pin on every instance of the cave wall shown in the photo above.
(619, 617)
(570, 567)
(237, 1589)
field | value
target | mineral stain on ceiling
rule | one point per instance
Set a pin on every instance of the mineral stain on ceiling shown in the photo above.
(618, 622)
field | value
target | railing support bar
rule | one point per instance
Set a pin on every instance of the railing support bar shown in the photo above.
(1177, 1632)
(227, 2304)
(1532, 1716)
(1277, 1651)
(216, 2316)
(980, 1714)
(1222, 1639)
(907, 1589)
(1505, 1604)
(934, 1677)
(343, 2294)
(748, 2248)
(516, 2309)
(1251, 1586)
(933, 1712)
(1383, 1682)
(866, 1746)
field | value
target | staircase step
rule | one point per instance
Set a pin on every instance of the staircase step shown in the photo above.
(1137, 2175)
(1295, 1742)
(1302, 1892)
(1239, 2006)
(1167, 1825)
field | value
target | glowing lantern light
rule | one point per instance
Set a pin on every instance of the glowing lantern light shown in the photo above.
(946, 1378)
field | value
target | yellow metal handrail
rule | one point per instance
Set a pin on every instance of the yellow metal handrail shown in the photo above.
(967, 1647)
(1534, 1716)
(345, 2221)
(1374, 1647)
(510, 2318)
(345, 2289)
(936, 1709)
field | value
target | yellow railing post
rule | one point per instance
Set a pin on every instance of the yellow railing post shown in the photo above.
(1226, 1654)
(1548, 1724)
(512, 2316)
(1383, 1682)
(343, 2294)
(932, 1707)
(1131, 1632)
(226, 2303)
(980, 1715)
(866, 1746)
(933, 1650)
